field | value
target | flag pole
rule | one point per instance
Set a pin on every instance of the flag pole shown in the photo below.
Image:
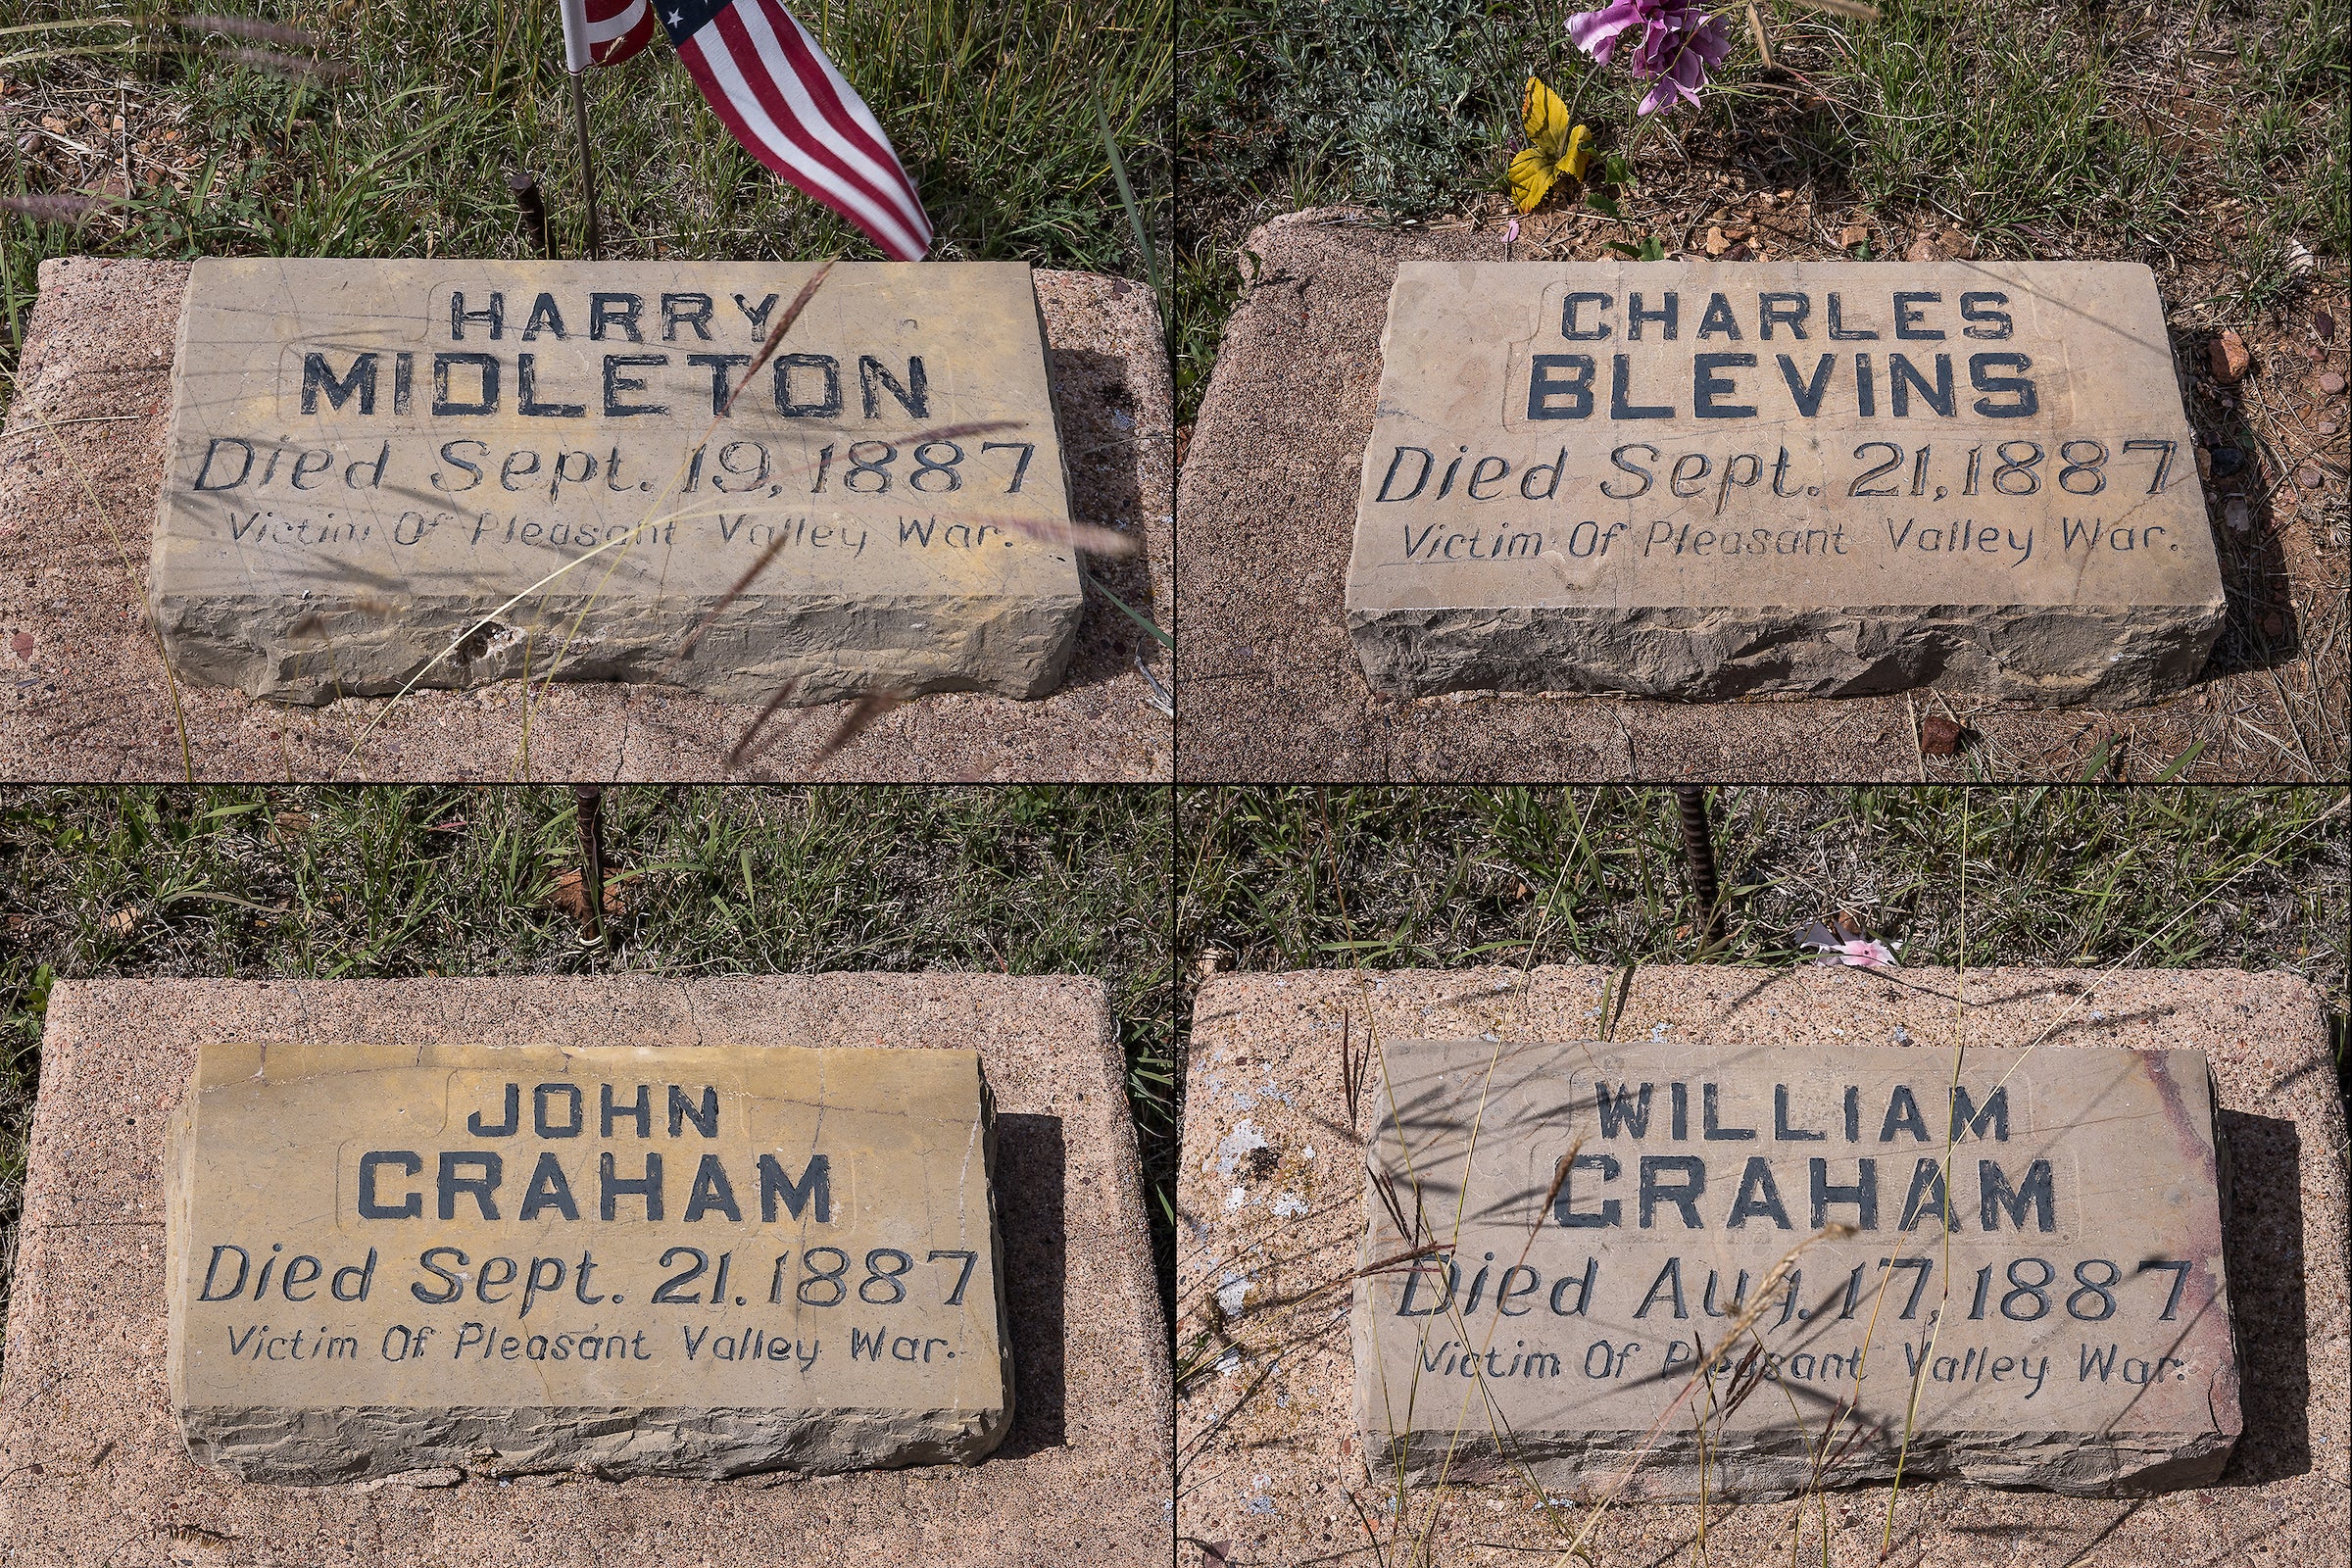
(579, 55)
(579, 116)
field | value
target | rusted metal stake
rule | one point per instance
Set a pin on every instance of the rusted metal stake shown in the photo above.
(590, 801)
(1698, 856)
(525, 186)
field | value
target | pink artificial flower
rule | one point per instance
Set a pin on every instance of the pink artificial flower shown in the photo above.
(1680, 44)
(1860, 954)
(1510, 231)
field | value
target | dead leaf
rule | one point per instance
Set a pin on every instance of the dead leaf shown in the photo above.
(1852, 235)
(124, 922)
(1716, 243)
(568, 895)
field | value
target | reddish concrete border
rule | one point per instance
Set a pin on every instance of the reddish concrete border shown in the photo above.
(1272, 1480)
(88, 702)
(92, 1469)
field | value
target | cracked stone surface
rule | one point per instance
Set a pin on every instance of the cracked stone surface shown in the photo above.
(2071, 1334)
(695, 1261)
(92, 1464)
(1708, 480)
(1271, 1223)
(368, 458)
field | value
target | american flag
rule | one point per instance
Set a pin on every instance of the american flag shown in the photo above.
(779, 95)
(605, 32)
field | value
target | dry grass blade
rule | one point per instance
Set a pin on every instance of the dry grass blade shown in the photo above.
(743, 743)
(284, 65)
(776, 334)
(1077, 536)
(1767, 1296)
(767, 557)
(1843, 7)
(58, 209)
(869, 708)
(1352, 1069)
(248, 27)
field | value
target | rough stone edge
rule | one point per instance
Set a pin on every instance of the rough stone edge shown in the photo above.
(1716, 653)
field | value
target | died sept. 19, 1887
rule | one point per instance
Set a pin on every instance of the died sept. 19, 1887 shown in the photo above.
(697, 1261)
(1748, 1273)
(368, 460)
(1699, 480)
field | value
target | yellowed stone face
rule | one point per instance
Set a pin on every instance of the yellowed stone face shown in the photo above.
(799, 1240)
(368, 456)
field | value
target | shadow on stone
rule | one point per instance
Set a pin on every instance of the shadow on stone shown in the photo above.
(2262, 1232)
(1031, 1168)
(1100, 436)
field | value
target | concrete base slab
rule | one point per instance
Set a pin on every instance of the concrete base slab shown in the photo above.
(92, 1467)
(1270, 1205)
(1273, 687)
(83, 461)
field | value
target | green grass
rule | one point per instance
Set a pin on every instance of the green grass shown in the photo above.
(2026, 121)
(1449, 879)
(990, 105)
(254, 884)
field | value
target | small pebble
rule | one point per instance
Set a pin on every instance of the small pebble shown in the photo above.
(22, 642)
(2234, 513)
(2332, 383)
(2274, 625)
(2328, 427)
(2228, 356)
(2310, 478)
(2226, 460)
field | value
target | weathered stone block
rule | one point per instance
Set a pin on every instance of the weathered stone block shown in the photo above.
(1705, 480)
(366, 459)
(688, 1262)
(1687, 1271)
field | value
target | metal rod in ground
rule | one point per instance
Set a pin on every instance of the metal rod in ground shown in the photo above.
(579, 118)
(1698, 854)
(528, 200)
(590, 800)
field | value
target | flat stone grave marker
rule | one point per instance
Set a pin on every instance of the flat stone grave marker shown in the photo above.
(368, 459)
(1703, 481)
(1727, 1272)
(689, 1262)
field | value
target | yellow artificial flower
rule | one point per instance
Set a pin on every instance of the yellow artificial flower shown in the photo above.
(1552, 149)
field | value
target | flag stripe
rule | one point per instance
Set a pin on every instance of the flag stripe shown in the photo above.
(618, 26)
(841, 106)
(799, 71)
(721, 79)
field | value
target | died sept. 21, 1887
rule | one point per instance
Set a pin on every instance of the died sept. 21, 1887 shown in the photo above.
(1751, 1272)
(694, 1261)
(452, 472)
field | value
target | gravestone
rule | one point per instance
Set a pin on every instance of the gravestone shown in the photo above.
(368, 459)
(1708, 479)
(688, 1262)
(1746, 1273)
